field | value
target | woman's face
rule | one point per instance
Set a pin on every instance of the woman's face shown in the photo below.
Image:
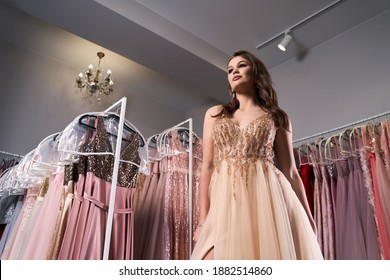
(240, 74)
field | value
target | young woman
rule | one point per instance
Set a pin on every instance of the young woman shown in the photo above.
(251, 209)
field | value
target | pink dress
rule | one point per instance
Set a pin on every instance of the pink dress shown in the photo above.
(11, 212)
(67, 246)
(29, 219)
(385, 144)
(89, 234)
(70, 179)
(13, 241)
(43, 230)
(370, 174)
(149, 217)
(176, 215)
(383, 195)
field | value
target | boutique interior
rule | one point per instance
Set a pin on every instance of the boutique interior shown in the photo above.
(131, 123)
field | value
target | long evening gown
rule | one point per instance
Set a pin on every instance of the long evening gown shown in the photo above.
(88, 218)
(254, 212)
(176, 211)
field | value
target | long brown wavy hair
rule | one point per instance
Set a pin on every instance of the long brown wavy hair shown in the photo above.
(266, 95)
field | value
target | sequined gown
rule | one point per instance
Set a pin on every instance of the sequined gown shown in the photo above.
(254, 213)
(176, 204)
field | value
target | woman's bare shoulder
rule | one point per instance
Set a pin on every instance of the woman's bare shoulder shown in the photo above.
(214, 110)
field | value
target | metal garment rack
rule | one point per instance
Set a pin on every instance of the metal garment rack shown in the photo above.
(121, 104)
(341, 127)
(10, 154)
(190, 172)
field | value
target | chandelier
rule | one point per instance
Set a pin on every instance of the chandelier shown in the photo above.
(92, 85)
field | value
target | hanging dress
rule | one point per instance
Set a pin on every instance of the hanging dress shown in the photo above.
(366, 215)
(149, 219)
(28, 220)
(254, 212)
(318, 215)
(177, 199)
(39, 242)
(92, 215)
(327, 215)
(307, 175)
(382, 193)
(354, 243)
(70, 179)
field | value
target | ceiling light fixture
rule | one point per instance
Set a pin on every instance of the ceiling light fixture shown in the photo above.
(285, 42)
(92, 86)
(296, 26)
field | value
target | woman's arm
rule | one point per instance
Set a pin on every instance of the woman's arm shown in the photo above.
(207, 166)
(284, 153)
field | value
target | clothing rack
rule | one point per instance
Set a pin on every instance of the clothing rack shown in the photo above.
(119, 105)
(10, 154)
(341, 127)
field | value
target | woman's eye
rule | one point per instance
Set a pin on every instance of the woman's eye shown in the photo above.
(230, 70)
(242, 65)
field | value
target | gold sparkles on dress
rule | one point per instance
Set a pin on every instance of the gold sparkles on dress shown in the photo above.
(254, 213)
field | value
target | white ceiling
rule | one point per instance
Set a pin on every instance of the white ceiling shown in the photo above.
(176, 50)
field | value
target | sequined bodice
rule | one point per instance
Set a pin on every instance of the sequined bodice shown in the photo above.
(103, 165)
(244, 145)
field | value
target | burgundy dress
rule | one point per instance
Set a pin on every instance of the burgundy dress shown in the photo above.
(307, 175)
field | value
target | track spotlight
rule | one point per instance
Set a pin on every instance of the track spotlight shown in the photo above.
(285, 42)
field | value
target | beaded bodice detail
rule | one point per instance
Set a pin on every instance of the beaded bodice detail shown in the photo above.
(103, 165)
(243, 146)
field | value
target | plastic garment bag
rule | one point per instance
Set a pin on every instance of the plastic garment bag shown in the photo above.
(77, 135)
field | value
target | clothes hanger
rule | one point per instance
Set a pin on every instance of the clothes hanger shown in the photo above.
(331, 149)
(321, 148)
(344, 144)
(369, 136)
(42, 161)
(78, 134)
(152, 146)
(111, 116)
(355, 140)
(22, 177)
(303, 154)
(163, 141)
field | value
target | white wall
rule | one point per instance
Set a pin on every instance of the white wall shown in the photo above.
(341, 81)
(38, 99)
(344, 80)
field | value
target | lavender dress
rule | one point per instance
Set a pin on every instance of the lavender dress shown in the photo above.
(341, 209)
